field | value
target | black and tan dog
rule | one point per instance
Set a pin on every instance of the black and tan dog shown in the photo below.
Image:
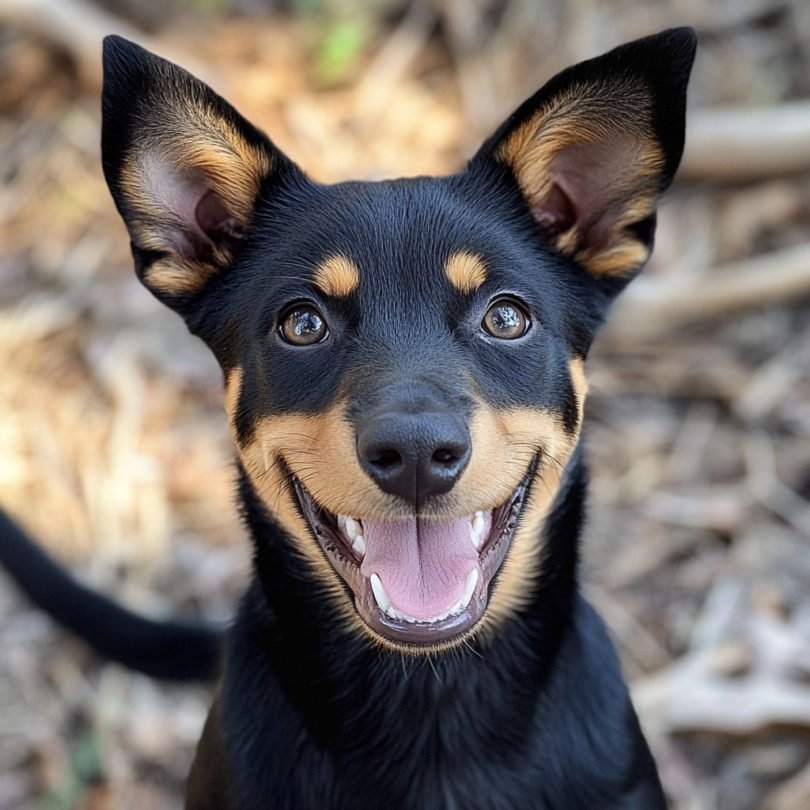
(404, 381)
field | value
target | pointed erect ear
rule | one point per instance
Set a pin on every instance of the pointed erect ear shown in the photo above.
(185, 169)
(593, 150)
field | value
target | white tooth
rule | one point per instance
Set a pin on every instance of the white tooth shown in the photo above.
(359, 545)
(352, 528)
(472, 581)
(478, 522)
(379, 593)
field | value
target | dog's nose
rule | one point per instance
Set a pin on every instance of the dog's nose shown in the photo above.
(414, 456)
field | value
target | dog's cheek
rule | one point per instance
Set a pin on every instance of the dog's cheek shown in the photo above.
(520, 574)
(256, 457)
(260, 456)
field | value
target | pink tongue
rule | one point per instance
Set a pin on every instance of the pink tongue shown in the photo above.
(423, 564)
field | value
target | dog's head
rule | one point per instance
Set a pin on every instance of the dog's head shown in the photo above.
(403, 360)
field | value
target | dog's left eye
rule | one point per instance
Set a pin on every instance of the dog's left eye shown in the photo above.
(303, 325)
(506, 319)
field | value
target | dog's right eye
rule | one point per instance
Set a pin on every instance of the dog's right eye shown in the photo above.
(506, 319)
(303, 325)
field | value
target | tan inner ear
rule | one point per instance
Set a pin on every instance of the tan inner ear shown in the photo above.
(170, 169)
(603, 160)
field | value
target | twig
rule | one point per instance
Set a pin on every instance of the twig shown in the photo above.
(652, 307)
(765, 486)
(395, 57)
(747, 144)
(78, 27)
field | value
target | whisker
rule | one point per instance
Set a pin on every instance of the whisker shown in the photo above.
(472, 649)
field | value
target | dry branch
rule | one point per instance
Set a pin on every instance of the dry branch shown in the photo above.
(78, 27)
(692, 695)
(747, 144)
(652, 306)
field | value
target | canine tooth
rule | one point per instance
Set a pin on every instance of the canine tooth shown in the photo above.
(475, 537)
(478, 522)
(472, 581)
(379, 593)
(359, 545)
(353, 528)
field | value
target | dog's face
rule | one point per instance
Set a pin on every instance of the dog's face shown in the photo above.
(403, 360)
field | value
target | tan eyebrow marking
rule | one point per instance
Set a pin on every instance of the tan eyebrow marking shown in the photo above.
(466, 271)
(337, 275)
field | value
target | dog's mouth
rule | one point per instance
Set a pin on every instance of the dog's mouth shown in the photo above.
(417, 580)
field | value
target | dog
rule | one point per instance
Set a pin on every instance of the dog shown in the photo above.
(404, 379)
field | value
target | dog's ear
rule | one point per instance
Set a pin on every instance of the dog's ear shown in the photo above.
(185, 169)
(593, 150)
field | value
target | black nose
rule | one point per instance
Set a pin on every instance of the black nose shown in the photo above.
(416, 455)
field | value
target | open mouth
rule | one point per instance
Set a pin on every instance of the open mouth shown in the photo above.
(417, 580)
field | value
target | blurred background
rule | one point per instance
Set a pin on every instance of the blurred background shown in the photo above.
(114, 449)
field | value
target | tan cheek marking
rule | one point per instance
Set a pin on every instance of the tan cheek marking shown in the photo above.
(466, 271)
(580, 383)
(298, 435)
(521, 571)
(337, 276)
(319, 451)
(501, 454)
(233, 390)
(512, 438)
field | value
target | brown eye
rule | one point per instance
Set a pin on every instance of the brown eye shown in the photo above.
(303, 325)
(506, 319)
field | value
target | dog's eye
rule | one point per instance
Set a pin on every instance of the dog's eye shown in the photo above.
(303, 325)
(506, 319)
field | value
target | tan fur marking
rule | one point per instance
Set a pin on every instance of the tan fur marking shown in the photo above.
(466, 271)
(569, 122)
(319, 450)
(338, 275)
(530, 430)
(580, 382)
(520, 573)
(233, 390)
(191, 147)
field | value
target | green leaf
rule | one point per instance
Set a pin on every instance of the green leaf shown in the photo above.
(339, 49)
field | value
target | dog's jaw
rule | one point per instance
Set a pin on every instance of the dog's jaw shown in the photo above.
(442, 607)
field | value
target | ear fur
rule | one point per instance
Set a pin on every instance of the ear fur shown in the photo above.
(185, 169)
(593, 150)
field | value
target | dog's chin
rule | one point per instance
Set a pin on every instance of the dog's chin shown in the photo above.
(422, 581)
